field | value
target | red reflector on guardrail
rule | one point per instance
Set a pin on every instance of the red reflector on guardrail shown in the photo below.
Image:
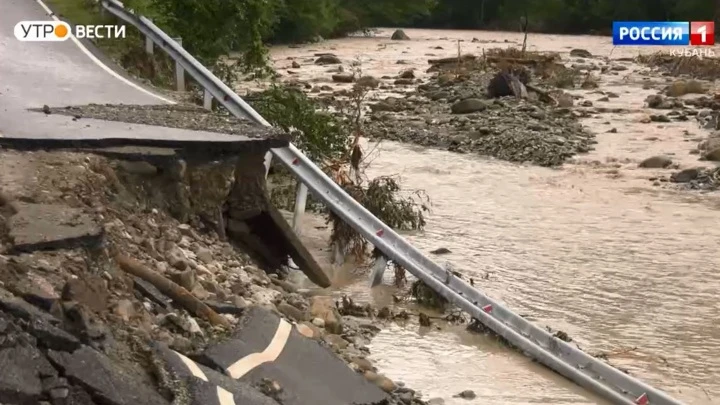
(380, 233)
(295, 161)
(642, 399)
(487, 308)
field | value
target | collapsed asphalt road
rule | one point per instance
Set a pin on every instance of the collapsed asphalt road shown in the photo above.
(56, 350)
(266, 361)
(268, 348)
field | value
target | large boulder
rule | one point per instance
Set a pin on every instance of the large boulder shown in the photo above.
(508, 84)
(343, 78)
(580, 53)
(327, 59)
(323, 307)
(656, 162)
(713, 155)
(399, 35)
(469, 105)
(680, 88)
(368, 82)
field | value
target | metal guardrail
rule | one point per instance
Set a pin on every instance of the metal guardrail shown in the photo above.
(532, 340)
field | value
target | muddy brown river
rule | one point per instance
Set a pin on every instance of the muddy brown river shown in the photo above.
(595, 250)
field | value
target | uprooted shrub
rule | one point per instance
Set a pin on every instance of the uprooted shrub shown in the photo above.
(381, 197)
(546, 66)
(426, 296)
(694, 66)
(332, 142)
(313, 129)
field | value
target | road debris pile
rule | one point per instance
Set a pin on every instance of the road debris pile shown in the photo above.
(695, 66)
(104, 294)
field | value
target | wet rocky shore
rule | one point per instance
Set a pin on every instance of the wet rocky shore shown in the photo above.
(456, 115)
(453, 104)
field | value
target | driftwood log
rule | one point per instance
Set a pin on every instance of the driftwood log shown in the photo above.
(452, 59)
(176, 292)
(514, 61)
(544, 95)
(491, 59)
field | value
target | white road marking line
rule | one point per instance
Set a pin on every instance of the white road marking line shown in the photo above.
(99, 62)
(305, 330)
(271, 352)
(225, 397)
(193, 367)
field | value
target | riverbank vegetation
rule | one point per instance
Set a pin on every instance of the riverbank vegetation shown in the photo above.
(213, 28)
(332, 142)
(560, 16)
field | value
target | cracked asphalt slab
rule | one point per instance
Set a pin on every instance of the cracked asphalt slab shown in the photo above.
(48, 226)
(39, 358)
(203, 382)
(306, 371)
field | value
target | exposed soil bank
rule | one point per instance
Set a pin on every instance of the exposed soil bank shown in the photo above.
(70, 301)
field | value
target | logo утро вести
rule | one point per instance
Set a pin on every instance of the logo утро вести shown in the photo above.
(678, 33)
(57, 31)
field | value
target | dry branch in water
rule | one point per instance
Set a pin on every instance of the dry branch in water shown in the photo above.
(172, 290)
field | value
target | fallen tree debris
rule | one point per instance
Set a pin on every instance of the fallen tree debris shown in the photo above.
(172, 290)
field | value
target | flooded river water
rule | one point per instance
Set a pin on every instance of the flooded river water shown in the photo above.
(595, 250)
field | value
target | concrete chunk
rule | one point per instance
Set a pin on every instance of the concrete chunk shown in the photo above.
(105, 381)
(23, 368)
(52, 337)
(22, 309)
(48, 226)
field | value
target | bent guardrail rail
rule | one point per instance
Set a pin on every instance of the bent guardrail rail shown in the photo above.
(532, 340)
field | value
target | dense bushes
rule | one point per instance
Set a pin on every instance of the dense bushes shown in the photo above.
(212, 28)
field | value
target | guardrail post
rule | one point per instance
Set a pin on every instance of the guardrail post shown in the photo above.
(207, 100)
(268, 162)
(378, 270)
(338, 257)
(149, 46)
(300, 203)
(179, 71)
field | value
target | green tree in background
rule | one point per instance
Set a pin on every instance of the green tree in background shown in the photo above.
(212, 28)
(562, 16)
(301, 20)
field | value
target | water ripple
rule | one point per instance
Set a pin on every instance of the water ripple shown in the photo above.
(627, 272)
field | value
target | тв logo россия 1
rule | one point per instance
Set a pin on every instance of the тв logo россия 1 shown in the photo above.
(677, 33)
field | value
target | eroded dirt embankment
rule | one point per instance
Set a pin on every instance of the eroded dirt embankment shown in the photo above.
(80, 234)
